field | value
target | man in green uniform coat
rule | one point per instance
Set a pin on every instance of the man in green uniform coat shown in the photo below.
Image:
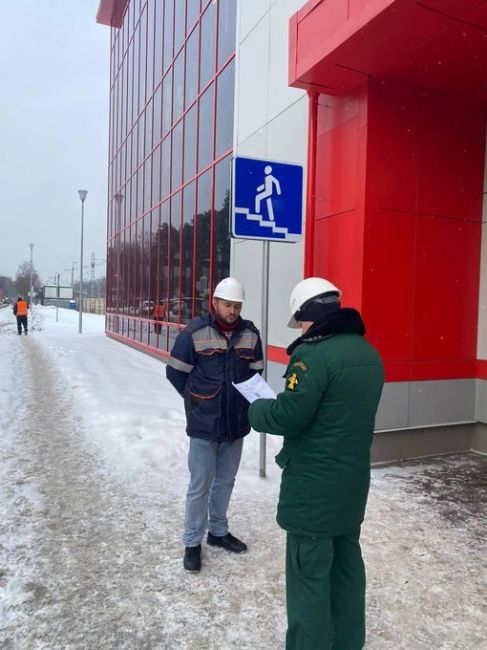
(326, 415)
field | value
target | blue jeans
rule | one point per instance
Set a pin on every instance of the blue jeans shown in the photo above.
(212, 466)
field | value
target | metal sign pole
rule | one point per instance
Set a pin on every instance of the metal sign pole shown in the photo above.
(264, 337)
(57, 300)
(267, 204)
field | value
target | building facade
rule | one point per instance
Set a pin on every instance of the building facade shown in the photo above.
(384, 102)
(171, 134)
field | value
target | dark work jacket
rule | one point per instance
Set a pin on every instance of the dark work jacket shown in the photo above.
(202, 366)
(326, 416)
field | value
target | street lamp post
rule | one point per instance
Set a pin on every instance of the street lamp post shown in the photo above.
(82, 196)
(31, 267)
(72, 273)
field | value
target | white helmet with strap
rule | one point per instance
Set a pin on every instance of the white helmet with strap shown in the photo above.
(229, 289)
(307, 290)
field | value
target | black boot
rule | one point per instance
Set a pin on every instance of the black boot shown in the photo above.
(192, 558)
(228, 542)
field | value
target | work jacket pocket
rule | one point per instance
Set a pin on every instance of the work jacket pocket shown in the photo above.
(203, 407)
(243, 358)
(210, 363)
(204, 400)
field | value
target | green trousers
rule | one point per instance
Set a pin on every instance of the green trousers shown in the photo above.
(325, 593)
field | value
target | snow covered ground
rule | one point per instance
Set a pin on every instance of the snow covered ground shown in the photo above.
(92, 481)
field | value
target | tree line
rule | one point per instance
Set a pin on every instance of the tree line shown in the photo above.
(20, 284)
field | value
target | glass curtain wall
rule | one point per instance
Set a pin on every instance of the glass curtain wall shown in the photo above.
(171, 130)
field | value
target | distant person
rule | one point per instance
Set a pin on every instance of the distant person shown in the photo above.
(326, 416)
(21, 308)
(208, 355)
(158, 315)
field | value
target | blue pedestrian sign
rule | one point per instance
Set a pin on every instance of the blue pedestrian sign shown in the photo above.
(267, 200)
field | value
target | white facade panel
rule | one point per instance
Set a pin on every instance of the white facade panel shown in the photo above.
(271, 122)
(246, 266)
(393, 412)
(441, 402)
(250, 12)
(252, 81)
(481, 401)
(282, 94)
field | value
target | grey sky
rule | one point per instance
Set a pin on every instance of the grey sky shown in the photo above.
(54, 65)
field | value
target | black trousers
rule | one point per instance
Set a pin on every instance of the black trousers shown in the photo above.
(21, 322)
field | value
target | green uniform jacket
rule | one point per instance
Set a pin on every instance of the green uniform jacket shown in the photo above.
(326, 415)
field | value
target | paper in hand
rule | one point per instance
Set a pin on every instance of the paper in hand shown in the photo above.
(255, 388)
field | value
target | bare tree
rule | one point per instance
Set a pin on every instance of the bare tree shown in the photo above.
(22, 280)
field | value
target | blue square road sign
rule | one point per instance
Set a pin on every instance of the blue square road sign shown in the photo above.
(267, 200)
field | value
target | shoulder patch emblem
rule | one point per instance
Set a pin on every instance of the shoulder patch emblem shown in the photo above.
(299, 364)
(292, 381)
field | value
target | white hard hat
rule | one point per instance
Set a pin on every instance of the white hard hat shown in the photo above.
(306, 290)
(229, 289)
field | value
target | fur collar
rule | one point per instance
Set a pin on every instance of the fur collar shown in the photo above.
(341, 321)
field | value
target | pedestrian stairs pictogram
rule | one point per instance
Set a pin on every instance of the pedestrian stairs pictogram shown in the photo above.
(262, 222)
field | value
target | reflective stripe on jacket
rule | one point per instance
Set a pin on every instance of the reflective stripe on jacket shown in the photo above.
(202, 366)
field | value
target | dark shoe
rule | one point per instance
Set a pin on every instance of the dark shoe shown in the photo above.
(228, 542)
(192, 558)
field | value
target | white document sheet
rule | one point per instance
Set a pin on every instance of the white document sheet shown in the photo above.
(255, 388)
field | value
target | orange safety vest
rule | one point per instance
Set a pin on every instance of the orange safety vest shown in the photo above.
(159, 311)
(21, 308)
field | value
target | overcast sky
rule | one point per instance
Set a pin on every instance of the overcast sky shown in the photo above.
(54, 67)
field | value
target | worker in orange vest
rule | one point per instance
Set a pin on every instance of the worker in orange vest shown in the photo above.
(20, 311)
(158, 314)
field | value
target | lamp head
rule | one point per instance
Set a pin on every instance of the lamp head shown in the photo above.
(82, 195)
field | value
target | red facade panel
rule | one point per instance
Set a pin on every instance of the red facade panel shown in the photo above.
(454, 8)
(110, 12)
(339, 44)
(339, 192)
(446, 276)
(451, 165)
(392, 34)
(398, 209)
(338, 173)
(338, 254)
(478, 16)
(481, 366)
(388, 304)
(399, 173)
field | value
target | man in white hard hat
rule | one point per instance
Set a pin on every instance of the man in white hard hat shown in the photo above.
(326, 416)
(208, 355)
